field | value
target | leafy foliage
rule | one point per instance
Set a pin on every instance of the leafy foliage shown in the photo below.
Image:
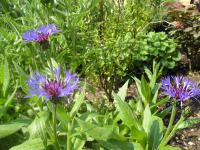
(157, 46)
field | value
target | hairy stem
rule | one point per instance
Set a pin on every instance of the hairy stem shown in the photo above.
(54, 128)
(173, 131)
(169, 128)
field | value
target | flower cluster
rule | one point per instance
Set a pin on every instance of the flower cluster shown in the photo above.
(180, 88)
(53, 88)
(41, 34)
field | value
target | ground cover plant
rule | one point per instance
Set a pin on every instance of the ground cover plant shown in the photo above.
(53, 53)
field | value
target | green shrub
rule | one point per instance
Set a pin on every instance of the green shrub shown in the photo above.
(156, 46)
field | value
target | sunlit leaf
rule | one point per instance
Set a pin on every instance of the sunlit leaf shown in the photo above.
(188, 123)
(123, 91)
(32, 144)
(8, 129)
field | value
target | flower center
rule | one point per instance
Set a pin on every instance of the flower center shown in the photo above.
(53, 88)
(178, 93)
(181, 90)
(42, 37)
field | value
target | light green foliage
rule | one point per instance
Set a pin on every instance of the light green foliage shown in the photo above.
(157, 46)
(148, 89)
(6, 93)
(33, 144)
(97, 37)
(8, 129)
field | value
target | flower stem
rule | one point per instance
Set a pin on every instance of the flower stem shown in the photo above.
(169, 128)
(68, 141)
(69, 135)
(173, 131)
(54, 128)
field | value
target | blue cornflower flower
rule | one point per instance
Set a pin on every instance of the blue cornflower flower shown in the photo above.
(41, 34)
(52, 88)
(180, 88)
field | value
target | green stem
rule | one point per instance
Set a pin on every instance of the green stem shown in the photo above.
(54, 128)
(68, 141)
(172, 132)
(69, 134)
(171, 121)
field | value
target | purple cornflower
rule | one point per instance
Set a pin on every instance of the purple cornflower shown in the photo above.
(41, 34)
(52, 88)
(180, 88)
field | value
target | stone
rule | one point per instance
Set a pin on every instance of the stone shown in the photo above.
(191, 143)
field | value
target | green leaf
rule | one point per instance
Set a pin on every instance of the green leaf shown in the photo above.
(146, 90)
(63, 116)
(123, 91)
(78, 144)
(155, 96)
(78, 102)
(32, 144)
(139, 135)
(10, 98)
(117, 145)
(137, 146)
(23, 77)
(163, 113)
(147, 119)
(96, 132)
(38, 127)
(188, 123)
(148, 73)
(155, 133)
(140, 90)
(125, 112)
(8, 129)
(6, 77)
(178, 57)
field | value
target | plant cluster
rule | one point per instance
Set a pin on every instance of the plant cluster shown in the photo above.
(43, 102)
(60, 120)
(99, 38)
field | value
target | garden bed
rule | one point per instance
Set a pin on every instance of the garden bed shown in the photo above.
(99, 75)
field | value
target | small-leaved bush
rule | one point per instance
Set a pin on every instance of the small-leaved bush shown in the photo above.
(156, 46)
